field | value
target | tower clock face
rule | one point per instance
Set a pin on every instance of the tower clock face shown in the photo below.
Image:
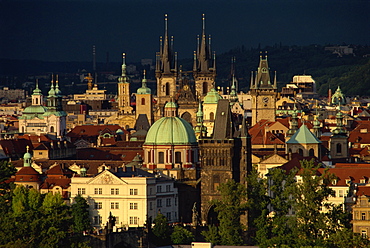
(265, 99)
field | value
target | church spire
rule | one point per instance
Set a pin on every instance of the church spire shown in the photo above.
(166, 52)
(204, 49)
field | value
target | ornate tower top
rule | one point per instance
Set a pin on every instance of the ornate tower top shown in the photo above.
(123, 78)
(262, 79)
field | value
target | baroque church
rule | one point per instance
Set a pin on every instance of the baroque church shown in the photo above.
(39, 119)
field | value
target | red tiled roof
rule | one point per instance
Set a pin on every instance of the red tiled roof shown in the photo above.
(363, 190)
(93, 130)
(27, 171)
(52, 182)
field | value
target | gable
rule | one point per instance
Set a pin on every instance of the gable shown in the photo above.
(278, 126)
(106, 177)
(275, 159)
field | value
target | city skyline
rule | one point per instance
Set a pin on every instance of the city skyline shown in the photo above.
(66, 30)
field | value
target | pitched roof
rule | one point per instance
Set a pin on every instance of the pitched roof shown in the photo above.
(303, 136)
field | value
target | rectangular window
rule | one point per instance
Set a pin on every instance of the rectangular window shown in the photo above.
(150, 191)
(114, 191)
(114, 205)
(168, 188)
(363, 216)
(168, 202)
(168, 215)
(161, 157)
(340, 193)
(97, 220)
(117, 220)
(159, 203)
(133, 205)
(159, 189)
(364, 234)
(98, 205)
(150, 206)
(177, 157)
(81, 191)
(133, 191)
(98, 191)
(133, 220)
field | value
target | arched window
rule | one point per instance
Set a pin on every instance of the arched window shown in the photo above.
(205, 88)
(300, 151)
(143, 101)
(36, 101)
(339, 148)
(311, 152)
(186, 116)
(167, 89)
(212, 116)
(52, 129)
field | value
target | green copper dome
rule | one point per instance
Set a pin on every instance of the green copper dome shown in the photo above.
(170, 131)
(144, 89)
(212, 96)
(170, 105)
(33, 111)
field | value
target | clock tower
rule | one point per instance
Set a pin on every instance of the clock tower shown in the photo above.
(263, 93)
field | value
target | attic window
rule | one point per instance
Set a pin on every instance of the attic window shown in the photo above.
(348, 181)
(363, 130)
(363, 180)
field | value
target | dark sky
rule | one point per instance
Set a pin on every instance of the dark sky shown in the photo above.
(62, 30)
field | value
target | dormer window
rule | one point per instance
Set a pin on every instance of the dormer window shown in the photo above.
(363, 180)
(348, 181)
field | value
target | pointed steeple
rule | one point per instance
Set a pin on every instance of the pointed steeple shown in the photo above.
(51, 92)
(233, 92)
(203, 50)
(58, 92)
(200, 130)
(294, 122)
(166, 51)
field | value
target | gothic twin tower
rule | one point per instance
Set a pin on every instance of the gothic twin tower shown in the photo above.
(169, 78)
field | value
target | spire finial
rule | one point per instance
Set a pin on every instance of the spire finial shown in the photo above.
(204, 22)
(27, 148)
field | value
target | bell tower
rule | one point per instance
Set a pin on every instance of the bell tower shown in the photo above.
(263, 93)
(124, 90)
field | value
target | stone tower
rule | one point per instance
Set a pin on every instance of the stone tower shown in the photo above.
(124, 90)
(263, 93)
(144, 101)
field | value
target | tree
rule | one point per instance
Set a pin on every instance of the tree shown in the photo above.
(257, 202)
(161, 230)
(274, 225)
(229, 209)
(181, 236)
(80, 215)
(310, 197)
(212, 235)
(6, 171)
